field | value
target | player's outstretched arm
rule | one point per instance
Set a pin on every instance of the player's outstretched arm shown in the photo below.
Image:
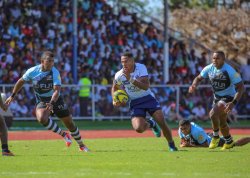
(19, 84)
(195, 83)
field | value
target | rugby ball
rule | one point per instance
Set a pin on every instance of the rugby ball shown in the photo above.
(3, 96)
(120, 96)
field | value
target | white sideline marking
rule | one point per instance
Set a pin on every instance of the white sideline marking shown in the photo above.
(28, 173)
(89, 172)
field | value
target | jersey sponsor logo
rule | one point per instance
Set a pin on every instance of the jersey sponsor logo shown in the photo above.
(125, 82)
(218, 85)
(200, 138)
(132, 88)
(220, 81)
(44, 86)
(236, 75)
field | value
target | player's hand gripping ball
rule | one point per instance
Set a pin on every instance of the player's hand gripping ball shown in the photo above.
(120, 96)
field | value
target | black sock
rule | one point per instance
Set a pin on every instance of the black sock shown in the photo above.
(228, 139)
(151, 122)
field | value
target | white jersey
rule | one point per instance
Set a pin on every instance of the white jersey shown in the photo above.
(133, 91)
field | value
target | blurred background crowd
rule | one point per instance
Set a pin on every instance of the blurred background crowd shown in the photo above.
(27, 28)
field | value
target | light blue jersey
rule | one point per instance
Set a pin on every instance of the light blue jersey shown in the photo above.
(42, 82)
(222, 80)
(197, 134)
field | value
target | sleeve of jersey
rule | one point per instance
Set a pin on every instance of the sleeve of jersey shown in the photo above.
(143, 71)
(204, 72)
(235, 76)
(117, 79)
(27, 75)
(56, 77)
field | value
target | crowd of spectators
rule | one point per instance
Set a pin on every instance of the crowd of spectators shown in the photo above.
(29, 27)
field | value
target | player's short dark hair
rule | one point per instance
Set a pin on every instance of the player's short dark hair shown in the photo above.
(127, 54)
(184, 122)
(221, 54)
(47, 53)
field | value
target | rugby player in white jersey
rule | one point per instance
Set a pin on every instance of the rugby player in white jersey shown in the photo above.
(133, 78)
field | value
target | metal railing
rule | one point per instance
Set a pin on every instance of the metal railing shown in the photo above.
(100, 100)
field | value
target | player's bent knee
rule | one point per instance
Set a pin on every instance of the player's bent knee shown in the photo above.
(42, 120)
(139, 129)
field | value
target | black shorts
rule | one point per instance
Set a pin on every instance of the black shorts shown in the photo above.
(60, 109)
(223, 98)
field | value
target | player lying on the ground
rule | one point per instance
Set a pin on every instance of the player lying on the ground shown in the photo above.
(192, 135)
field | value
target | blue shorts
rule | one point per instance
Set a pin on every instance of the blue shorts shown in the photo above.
(139, 107)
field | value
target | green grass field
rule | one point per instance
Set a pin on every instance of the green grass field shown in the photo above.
(131, 158)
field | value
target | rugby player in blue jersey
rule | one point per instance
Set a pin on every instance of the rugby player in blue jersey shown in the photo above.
(46, 82)
(133, 78)
(228, 88)
(192, 135)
